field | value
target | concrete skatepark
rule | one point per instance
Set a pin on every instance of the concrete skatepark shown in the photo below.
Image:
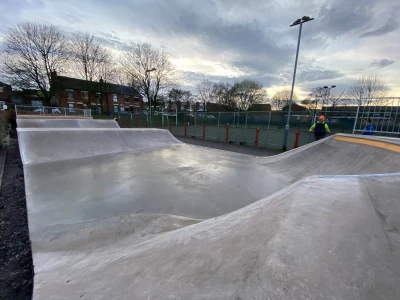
(135, 214)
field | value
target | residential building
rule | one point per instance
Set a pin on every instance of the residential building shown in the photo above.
(260, 107)
(113, 98)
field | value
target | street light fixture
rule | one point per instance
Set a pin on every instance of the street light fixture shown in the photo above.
(148, 71)
(328, 95)
(300, 22)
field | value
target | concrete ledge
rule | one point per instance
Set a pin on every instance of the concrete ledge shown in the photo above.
(50, 117)
(379, 144)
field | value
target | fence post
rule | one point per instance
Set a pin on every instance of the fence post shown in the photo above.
(131, 121)
(269, 122)
(147, 124)
(219, 116)
(176, 117)
(256, 141)
(245, 129)
(296, 142)
(204, 132)
(157, 125)
(185, 130)
(137, 124)
(355, 121)
(170, 128)
(227, 134)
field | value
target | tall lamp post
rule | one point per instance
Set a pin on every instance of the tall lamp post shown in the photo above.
(297, 22)
(328, 95)
(148, 85)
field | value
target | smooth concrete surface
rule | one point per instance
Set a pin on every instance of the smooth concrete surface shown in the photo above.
(110, 221)
(45, 145)
(65, 123)
(312, 240)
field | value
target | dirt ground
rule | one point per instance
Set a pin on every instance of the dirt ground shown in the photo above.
(16, 270)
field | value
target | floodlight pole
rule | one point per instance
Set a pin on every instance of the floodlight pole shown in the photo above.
(285, 137)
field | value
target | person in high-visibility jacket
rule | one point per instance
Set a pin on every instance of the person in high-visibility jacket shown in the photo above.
(320, 128)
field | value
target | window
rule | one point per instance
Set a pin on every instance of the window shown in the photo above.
(70, 94)
(115, 108)
(98, 96)
(137, 109)
(122, 108)
(71, 106)
(1, 89)
(115, 98)
(136, 100)
(85, 94)
(126, 98)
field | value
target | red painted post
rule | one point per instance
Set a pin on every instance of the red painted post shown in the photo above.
(137, 124)
(157, 125)
(296, 142)
(185, 132)
(204, 132)
(256, 141)
(147, 124)
(227, 134)
(170, 128)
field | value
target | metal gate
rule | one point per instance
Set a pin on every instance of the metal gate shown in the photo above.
(384, 114)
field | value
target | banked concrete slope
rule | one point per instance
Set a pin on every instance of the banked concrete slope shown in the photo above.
(38, 145)
(321, 238)
(65, 123)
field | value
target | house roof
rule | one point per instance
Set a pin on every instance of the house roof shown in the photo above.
(83, 85)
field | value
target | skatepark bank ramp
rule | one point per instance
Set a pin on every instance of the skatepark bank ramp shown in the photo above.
(118, 214)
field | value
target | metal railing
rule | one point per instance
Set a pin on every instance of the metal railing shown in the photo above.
(51, 111)
(384, 114)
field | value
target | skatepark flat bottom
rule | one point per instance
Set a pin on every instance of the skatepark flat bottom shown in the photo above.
(153, 218)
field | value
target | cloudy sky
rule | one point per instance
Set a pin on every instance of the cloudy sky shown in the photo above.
(228, 40)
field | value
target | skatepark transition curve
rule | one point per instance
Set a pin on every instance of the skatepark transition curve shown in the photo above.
(135, 214)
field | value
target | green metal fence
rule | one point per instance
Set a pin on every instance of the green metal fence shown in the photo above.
(241, 126)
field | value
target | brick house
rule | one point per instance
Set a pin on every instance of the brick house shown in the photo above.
(5, 94)
(78, 93)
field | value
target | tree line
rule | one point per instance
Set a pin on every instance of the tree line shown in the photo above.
(33, 52)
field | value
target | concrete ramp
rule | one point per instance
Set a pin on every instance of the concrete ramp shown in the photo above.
(38, 145)
(65, 123)
(106, 209)
(321, 238)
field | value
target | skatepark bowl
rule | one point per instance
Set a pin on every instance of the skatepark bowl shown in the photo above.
(135, 214)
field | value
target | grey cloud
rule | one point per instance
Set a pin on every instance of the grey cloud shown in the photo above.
(315, 73)
(390, 26)
(381, 63)
(112, 43)
(339, 17)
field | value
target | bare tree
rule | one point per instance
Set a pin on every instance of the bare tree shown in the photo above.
(92, 63)
(248, 92)
(89, 56)
(149, 69)
(33, 52)
(225, 96)
(205, 91)
(281, 99)
(187, 98)
(367, 88)
(337, 98)
(175, 97)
